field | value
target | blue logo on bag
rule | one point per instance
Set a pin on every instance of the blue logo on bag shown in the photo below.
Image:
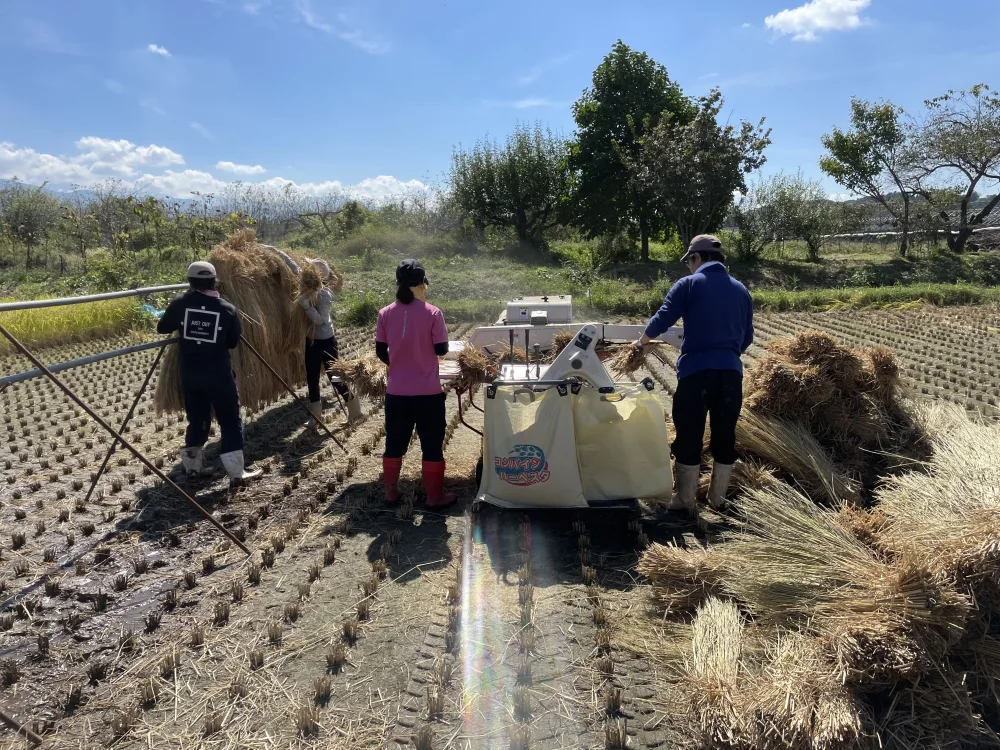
(524, 466)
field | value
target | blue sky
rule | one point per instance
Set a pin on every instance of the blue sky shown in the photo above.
(184, 95)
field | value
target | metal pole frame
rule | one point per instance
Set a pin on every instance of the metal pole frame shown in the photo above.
(291, 391)
(58, 301)
(20, 728)
(128, 418)
(131, 448)
(20, 377)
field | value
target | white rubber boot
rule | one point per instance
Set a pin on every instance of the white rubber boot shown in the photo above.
(685, 487)
(721, 474)
(353, 409)
(316, 409)
(192, 459)
(234, 464)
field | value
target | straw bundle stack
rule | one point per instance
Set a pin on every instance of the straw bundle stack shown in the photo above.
(264, 290)
(627, 359)
(683, 579)
(791, 448)
(847, 398)
(950, 514)
(367, 376)
(559, 342)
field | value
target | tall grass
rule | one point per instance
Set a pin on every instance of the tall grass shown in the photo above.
(50, 326)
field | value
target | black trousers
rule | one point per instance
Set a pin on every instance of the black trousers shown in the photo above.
(319, 354)
(204, 393)
(717, 393)
(426, 413)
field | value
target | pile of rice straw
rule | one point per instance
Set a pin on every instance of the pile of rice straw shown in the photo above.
(826, 627)
(366, 377)
(265, 292)
(627, 359)
(847, 398)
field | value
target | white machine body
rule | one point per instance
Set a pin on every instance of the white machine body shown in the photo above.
(545, 309)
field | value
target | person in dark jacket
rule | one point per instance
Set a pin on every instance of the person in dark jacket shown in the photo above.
(209, 327)
(410, 336)
(718, 329)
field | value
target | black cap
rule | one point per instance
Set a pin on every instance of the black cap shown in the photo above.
(410, 273)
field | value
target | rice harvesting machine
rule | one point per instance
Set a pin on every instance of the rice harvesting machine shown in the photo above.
(562, 432)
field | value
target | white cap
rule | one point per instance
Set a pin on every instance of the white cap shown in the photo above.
(322, 266)
(201, 269)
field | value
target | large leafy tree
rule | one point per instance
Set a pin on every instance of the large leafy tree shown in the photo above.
(693, 169)
(872, 158)
(629, 95)
(518, 184)
(957, 149)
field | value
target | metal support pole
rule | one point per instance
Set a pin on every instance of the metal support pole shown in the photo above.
(34, 304)
(291, 390)
(461, 414)
(20, 728)
(89, 360)
(128, 418)
(111, 431)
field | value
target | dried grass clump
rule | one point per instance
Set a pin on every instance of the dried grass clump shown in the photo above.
(847, 398)
(791, 448)
(366, 376)
(627, 359)
(949, 515)
(794, 564)
(264, 290)
(683, 579)
(559, 342)
(475, 368)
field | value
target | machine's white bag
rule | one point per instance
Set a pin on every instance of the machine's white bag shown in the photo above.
(622, 445)
(528, 449)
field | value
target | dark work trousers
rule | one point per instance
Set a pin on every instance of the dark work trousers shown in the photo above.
(717, 393)
(426, 413)
(204, 393)
(320, 354)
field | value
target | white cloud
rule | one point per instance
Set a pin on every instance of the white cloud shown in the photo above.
(806, 21)
(152, 105)
(102, 158)
(99, 158)
(526, 103)
(537, 71)
(114, 86)
(241, 169)
(201, 130)
(158, 50)
(254, 7)
(371, 43)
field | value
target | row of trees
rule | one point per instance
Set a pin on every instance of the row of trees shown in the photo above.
(930, 165)
(35, 221)
(647, 160)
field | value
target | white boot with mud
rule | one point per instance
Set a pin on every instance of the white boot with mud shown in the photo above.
(192, 459)
(353, 409)
(721, 474)
(686, 487)
(234, 464)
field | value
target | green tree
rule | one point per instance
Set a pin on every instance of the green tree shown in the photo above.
(873, 159)
(629, 95)
(957, 148)
(805, 212)
(692, 169)
(28, 214)
(519, 184)
(757, 219)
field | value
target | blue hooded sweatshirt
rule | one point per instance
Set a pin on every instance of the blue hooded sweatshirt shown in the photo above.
(718, 320)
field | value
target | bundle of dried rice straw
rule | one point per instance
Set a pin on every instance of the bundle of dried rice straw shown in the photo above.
(849, 399)
(366, 376)
(683, 579)
(475, 368)
(627, 359)
(264, 291)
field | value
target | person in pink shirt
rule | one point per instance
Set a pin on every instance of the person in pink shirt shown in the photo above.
(410, 337)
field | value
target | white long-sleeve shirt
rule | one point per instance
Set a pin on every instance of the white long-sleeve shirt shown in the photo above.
(318, 314)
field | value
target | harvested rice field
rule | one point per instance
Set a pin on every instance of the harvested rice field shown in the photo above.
(788, 621)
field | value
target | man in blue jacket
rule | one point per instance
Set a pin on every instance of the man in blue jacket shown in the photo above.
(718, 328)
